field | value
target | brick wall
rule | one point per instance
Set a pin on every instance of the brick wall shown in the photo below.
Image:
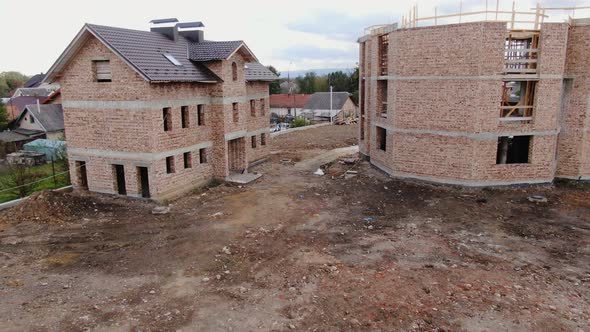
(121, 122)
(574, 142)
(444, 97)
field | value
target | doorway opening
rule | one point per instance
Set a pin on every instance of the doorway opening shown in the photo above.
(119, 172)
(236, 151)
(143, 181)
(82, 175)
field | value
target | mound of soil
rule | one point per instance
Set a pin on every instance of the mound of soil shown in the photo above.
(50, 207)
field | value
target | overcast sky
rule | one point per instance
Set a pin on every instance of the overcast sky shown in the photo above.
(296, 34)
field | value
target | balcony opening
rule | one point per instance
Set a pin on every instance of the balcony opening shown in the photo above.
(383, 50)
(518, 99)
(513, 149)
(521, 52)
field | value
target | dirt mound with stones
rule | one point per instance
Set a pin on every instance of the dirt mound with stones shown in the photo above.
(51, 207)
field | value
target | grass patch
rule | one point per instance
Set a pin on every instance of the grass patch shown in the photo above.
(34, 173)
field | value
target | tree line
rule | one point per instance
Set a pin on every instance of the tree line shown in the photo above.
(311, 83)
(10, 80)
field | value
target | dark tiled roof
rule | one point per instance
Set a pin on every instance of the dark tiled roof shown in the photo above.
(144, 50)
(50, 116)
(321, 101)
(213, 50)
(12, 136)
(21, 102)
(28, 132)
(34, 81)
(255, 71)
(287, 101)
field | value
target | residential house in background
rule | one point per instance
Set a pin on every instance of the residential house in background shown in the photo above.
(33, 92)
(36, 121)
(34, 81)
(329, 106)
(14, 140)
(15, 105)
(282, 105)
(157, 113)
(47, 119)
(478, 103)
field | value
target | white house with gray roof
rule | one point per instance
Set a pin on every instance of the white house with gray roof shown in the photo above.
(329, 106)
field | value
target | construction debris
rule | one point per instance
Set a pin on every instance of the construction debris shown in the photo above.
(345, 121)
(537, 199)
(161, 210)
(319, 172)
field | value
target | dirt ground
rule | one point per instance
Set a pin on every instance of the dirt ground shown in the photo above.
(296, 251)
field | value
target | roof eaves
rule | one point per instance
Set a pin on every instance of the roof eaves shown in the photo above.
(87, 28)
(114, 50)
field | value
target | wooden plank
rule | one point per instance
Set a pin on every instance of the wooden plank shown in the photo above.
(515, 118)
(519, 77)
(516, 106)
(530, 50)
(564, 8)
(517, 70)
(517, 61)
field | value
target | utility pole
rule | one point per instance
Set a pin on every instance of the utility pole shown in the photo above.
(331, 119)
(291, 90)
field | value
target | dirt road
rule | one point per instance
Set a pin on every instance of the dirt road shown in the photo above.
(295, 251)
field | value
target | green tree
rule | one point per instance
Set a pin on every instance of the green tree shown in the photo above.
(3, 117)
(339, 81)
(18, 179)
(307, 83)
(321, 84)
(353, 85)
(275, 86)
(10, 80)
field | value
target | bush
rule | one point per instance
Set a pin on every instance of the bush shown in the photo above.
(300, 122)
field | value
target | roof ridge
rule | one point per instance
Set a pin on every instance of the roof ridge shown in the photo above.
(113, 27)
(148, 31)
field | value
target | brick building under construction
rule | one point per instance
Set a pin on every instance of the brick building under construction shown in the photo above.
(477, 103)
(157, 113)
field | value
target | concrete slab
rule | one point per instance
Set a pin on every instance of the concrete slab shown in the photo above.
(242, 178)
